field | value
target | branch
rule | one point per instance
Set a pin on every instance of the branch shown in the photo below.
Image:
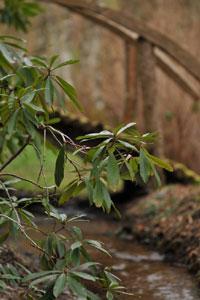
(15, 155)
(67, 140)
(27, 180)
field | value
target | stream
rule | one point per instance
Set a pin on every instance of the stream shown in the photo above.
(145, 273)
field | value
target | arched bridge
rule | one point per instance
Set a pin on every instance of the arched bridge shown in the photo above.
(151, 45)
(146, 49)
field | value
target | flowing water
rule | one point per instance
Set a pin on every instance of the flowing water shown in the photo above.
(143, 272)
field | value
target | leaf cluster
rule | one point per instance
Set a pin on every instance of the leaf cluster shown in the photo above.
(17, 13)
(30, 88)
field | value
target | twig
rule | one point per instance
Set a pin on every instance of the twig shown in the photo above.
(27, 180)
(66, 139)
(15, 155)
(75, 167)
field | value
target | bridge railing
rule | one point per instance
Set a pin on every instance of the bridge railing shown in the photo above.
(145, 50)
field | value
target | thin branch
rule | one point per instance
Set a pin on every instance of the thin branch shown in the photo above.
(67, 140)
(75, 167)
(51, 129)
(15, 155)
(43, 163)
(10, 198)
(21, 228)
(27, 180)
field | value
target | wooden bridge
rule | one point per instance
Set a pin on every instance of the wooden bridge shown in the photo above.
(145, 47)
(145, 50)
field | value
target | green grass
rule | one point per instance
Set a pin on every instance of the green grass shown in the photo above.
(27, 165)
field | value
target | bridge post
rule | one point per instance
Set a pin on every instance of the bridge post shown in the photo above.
(147, 82)
(131, 81)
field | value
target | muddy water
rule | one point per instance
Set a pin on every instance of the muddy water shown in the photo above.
(142, 271)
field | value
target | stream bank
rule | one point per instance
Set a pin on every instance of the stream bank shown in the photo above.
(169, 220)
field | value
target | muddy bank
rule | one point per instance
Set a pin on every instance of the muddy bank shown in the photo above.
(169, 219)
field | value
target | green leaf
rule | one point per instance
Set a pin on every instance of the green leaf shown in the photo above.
(53, 121)
(59, 285)
(68, 193)
(12, 122)
(76, 245)
(128, 145)
(10, 277)
(88, 265)
(52, 60)
(97, 245)
(113, 174)
(149, 137)
(133, 162)
(84, 275)
(47, 278)
(70, 91)
(161, 163)
(34, 276)
(75, 256)
(132, 166)
(145, 166)
(11, 37)
(98, 194)
(59, 169)
(7, 76)
(28, 97)
(27, 217)
(76, 287)
(109, 296)
(7, 54)
(14, 45)
(39, 61)
(103, 134)
(33, 107)
(49, 90)
(89, 188)
(77, 232)
(3, 286)
(66, 63)
(124, 128)
(156, 175)
(80, 186)
(107, 202)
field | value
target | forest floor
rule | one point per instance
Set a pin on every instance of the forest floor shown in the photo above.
(169, 220)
